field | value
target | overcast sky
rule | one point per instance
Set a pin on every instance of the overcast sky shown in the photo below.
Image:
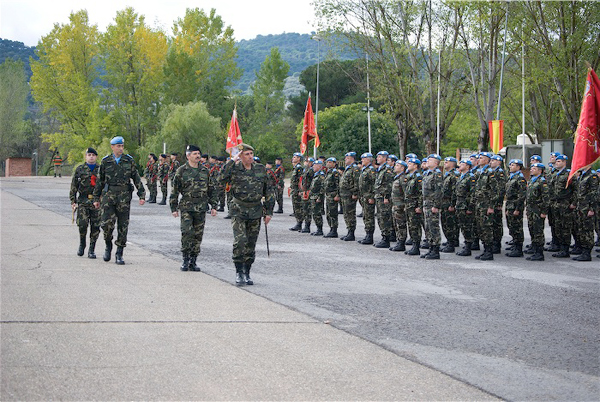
(28, 20)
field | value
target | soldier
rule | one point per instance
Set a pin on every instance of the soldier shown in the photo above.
(113, 190)
(220, 188)
(57, 161)
(562, 206)
(485, 202)
(432, 195)
(586, 204)
(448, 210)
(398, 206)
(197, 190)
(151, 175)
(280, 174)
(554, 244)
(516, 191)
(391, 163)
(464, 190)
(413, 196)
(173, 166)
(82, 199)
(295, 190)
(366, 184)
(349, 193)
(316, 196)
(538, 203)
(307, 176)
(500, 176)
(474, 158)
(407, 158)
(332, 196)
(383, 199)
(249, 185)
(163, 177)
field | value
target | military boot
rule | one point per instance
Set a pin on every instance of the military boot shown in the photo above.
(240, 280)
(192, 265)
(119, 256)
(368, 239)
(383, 243)
(297, 227)
(517, 250)
(487, 254)
(415, 250)
(449, 248)
(163, 201)
(563, 253)
(92, 250)
(186, 262)
(427, 253)
(475, 246)
(466, 250)
(392, 237)
(318, 232)
(425, 244)
(400, 246)
(280, 210)
(538, 253)
(107, 250)
(332, 233)
(409, 242)
(434, 253)
(584, 256)
(81, 246)
(496, 248)
(577, 249)
(553, 247)
(529, 250)
(306, 228)
(152, 199)
(349, 236)
(246, 274)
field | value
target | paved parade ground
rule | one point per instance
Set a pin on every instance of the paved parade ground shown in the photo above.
(325, 320)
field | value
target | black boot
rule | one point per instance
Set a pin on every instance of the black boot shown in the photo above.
(119, 256)
(107, 250)
(240, 280)
(163, 201)
(246, 273)
(517, 250)
(319, 231)
(538, 254)
(186, 262)
(475, 246)
(577, 249)
(425, 244)
(297, 227)
(306, 228)
(92, 250)
(349, 236)
(81, 246)
(332, 233)
(434, 253)
(487, 254)
(584, 256)
(152, 199)
(563, 253)
(280, 210)
(553, 247)
(448, 249)
(368, 239)
(466, 251)
(193, 266)
(392, 238)
(383, 243)
(496, 248)
(409, 242)
(400, 246)
(529, 250)
(415, 250)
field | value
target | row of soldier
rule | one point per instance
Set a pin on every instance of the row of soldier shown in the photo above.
(469, 197)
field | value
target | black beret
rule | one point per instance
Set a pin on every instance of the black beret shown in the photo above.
(192, 148)
(91, 150)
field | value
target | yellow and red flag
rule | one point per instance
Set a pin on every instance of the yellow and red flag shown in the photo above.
(234, 136)
(309, 130)
(587, 136)
(496, 135)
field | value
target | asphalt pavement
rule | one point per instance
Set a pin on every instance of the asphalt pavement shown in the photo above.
(326, 319)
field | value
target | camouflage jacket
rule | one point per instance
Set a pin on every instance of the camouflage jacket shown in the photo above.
(349, 181)
(307, 177)
(559, 192)
(366, 182)
(383, 183)
(296, 179)
(485, 190)
(83, 183)
(250, 190)
(280, 174)
(464, 189)
(151, 171)
(398, 200)
(587, 191)
(196, 189)
(332, 183)
(173, 166)
(448, 186)
(413, 193)
(516, 191)
(432, 188)
(163, 172)
(317, 187)
(115, 178)
(538, 196)
(272, 178)
(500, 177)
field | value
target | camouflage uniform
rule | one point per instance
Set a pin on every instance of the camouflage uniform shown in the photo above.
(197, 192)
(449, 219)
(485, 198)
(413, 195)
(348, 189)
(586, 200)
(163, 177)
(173, 166)
(366, 185)
(280, 174)
(332, 190)
(82, 183)
(316, 198)
(398, 207)
(151, 175)
(296, 193)
(516, 191)
(475, 172)
(561, 198)
(307, 177)
(464, 190)
(432, 195)
(498, 231)
(383, 192)
(114, 185)
(538, 203)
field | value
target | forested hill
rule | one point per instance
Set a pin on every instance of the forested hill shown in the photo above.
(17, 51)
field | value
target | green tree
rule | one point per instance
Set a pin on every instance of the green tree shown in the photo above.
(13, 107)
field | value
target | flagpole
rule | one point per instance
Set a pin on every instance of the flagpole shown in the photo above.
(318, 39)
(438, 100)
(523, 90)
(502, 67)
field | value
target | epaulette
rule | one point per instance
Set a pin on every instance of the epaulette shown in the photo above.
(437, 170)
(418, 174)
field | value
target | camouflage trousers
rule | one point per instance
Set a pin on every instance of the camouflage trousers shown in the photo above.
(552, 222)
(515, 226)
(584, 230)
(87, 215)
(466, 223)
(221, 196)
(432, 225)
(414, 224)
(163, 189)
(315, 213)
(368, 215)
(297, 206)
(563, 217)
(349, 207)
(279, 196)
(192, 230)
(331, 211)
(245, 235)
(484, 224)
(152, 188)
(307, 211)
(399, 218)
(536, 228)
(384, 217)
(449, 224)
(498, 230)
(115, 209)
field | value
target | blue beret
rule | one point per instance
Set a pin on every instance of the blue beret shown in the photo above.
(562, 157)
(554, 153)
(384, 153)
(393, 157)
(351, 153)
(256, 159)
(486, 154)
(450, 159)
(409, 156)
(435, 156)
(117, 140)
(423, 160)
(332, 159)
(311, 159)
(474, 156)
(414, 160)
(468, 162)
(538, 165)
(318, 162)
(366, 155)
(516, 161)
(298, 154)
(497, 157)
(536, 158)
(402, 163)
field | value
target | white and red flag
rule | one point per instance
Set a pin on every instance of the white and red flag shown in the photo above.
(234, 136)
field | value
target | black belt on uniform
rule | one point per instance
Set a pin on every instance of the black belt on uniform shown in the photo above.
(246, 204)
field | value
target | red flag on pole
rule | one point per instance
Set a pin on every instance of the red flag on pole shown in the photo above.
(309, 131)
(496, 135)
(234, 136)
(587, 137)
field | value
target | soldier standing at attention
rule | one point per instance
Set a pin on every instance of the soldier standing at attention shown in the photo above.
(366, 188)
(538, 203)
(151, 173)
(485, 205)
(332, 196)
(516, 191)
(113, 192)
(586, 204)
(413, 196)
(163, 177)
(562, 206)
(383, 199)
(349, 194)
(432, 203)
(249, 185)
(474, 158)
(398, 206)
(316, 197)
(307, 176)
(448, 210)
(82, 199)
(464, 190)
(197, 190)
(173, 166)
(280, 174)
(295, 191)
(500, 176)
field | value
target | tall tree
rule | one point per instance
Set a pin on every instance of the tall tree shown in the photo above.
(13, 106)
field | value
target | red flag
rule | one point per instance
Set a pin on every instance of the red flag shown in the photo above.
(309, 131)
(587, 137)
(234, 136)
(496, 135)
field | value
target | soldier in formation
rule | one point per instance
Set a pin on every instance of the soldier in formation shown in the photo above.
(295, 191)
(349, 194)
(151, 175)
(280, 174)
(316, 196)
(332, 196)
(366, 190)
(163, 177)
